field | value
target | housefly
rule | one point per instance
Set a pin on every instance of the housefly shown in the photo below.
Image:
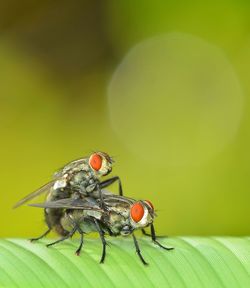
(77, 179)
(121, 216)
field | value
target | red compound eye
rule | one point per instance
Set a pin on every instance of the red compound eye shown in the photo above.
(95, 161)
(137, 211)
(150, 204)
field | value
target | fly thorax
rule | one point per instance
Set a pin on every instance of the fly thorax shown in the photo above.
(117, 222)
(75, 167)
(78, 178)
(120, 210)
(93, 213)
(83, 182)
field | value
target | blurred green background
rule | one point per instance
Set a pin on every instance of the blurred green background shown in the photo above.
(163, 86)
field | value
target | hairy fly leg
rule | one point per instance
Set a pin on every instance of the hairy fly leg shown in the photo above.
(138, 251)
(104, 243)
(71, 233)
(110, 181)
(40, 237)
(153, 236)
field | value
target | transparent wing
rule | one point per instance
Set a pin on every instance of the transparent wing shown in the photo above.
(41, 190)
(68, 203)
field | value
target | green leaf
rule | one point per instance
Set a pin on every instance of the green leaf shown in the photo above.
(195, 262)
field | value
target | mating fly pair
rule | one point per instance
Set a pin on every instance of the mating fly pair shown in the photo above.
(77, 203)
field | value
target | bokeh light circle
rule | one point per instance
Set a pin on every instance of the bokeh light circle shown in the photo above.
(175, 100)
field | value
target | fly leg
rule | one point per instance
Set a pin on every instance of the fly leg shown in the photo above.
(102, 205)
(71, 233)
(76, 226)
(78, 251)
(138, 251)
(110, 181)
(40, 237)
(144, 232)
(153, 236)
(104, 243)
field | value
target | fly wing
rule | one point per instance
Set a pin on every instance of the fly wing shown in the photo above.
(43, 189)
(68, 203)
(112, 199)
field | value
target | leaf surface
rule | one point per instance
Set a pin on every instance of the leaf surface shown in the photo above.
(195, 262)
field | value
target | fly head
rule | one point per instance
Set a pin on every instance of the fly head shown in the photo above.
(100, 163)
(141, 214)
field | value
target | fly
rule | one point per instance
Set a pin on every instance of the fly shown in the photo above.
(77, 179)
(121, 216)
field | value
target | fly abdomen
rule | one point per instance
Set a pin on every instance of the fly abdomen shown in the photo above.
(53, 216)
(53, 220)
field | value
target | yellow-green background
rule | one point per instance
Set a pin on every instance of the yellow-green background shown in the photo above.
(56, 63)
